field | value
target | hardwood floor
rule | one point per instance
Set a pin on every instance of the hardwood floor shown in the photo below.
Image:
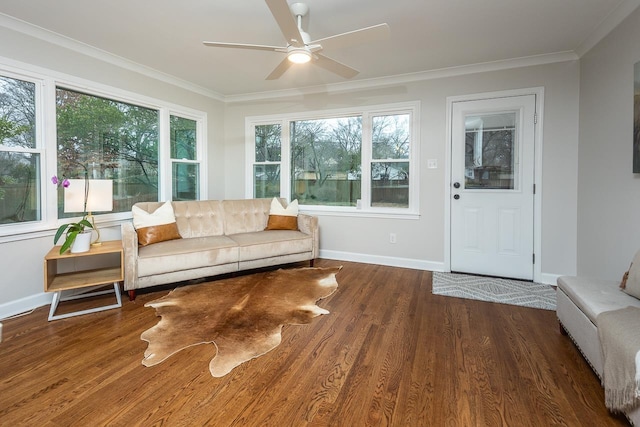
(390, 353)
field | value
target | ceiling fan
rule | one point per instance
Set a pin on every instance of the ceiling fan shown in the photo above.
(300, 49)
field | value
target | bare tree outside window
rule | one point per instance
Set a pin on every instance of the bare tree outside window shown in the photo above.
(326, 161)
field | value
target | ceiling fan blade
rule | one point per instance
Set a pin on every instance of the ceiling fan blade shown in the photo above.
(280, 69)
(363, 35)
(245, 46)
(286, 21)
(334, 66)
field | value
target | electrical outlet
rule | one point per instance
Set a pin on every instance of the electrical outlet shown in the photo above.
(392, 237)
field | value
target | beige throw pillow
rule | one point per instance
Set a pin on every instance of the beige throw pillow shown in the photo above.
(281, 218)
(157, 226)
(632, 283)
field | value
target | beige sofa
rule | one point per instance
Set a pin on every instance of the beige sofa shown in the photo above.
(579, 301)
(218, 236)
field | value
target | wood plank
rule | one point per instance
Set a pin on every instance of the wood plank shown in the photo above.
(389, 353)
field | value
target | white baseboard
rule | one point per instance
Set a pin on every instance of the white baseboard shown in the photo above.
(549, 279)
(415, 264)
(24, 305)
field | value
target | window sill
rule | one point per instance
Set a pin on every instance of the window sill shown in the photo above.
(358, 213)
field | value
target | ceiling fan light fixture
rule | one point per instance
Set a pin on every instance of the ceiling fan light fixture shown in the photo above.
(299, 56)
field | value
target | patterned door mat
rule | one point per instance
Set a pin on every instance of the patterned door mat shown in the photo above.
(505, 291)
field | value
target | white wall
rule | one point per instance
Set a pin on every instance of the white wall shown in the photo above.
(421, 243)
(608, 191)
(21, 262)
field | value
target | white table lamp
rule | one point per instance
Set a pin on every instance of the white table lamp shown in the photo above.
(99, 198)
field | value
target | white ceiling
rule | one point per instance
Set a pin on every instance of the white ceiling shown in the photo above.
(426, 35)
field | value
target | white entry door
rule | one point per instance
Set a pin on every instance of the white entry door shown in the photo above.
(492, 194)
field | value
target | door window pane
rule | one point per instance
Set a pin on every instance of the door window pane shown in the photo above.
(490, 151)
(102, 138)
(326, 161)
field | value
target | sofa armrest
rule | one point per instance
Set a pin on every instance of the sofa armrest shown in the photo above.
(308, 224)
(130, 247)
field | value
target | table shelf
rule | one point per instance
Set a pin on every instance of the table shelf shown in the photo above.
(83, 278)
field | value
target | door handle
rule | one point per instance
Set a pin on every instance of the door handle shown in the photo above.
(456, 196)
(456, 185)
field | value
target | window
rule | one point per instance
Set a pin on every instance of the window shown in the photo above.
(20, 152)
(326, 161)
(150, 149)
(266, 161)
(185, 165)
(101, 138)
(342, 162)
(390, 161)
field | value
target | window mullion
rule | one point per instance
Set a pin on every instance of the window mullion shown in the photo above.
(366, 161)
(285, 160)
(165, 170)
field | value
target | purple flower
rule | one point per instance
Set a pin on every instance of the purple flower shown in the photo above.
(57, 181)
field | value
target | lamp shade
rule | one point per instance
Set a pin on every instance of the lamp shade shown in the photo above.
(99, 195)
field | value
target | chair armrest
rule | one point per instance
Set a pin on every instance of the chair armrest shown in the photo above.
(130, 247)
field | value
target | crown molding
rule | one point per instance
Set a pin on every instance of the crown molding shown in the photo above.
(48, 36)
(506, 64)
(611, 21)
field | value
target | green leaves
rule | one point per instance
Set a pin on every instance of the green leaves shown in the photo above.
(73, 229)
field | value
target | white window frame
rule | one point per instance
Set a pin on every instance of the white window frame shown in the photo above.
(364, 208)
(46, 83)
(251, 153)
(201, 149)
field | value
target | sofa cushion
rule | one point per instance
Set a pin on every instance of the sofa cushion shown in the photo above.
(245, 216)
(262, 244)
(199, 218)
(185, 254)
(595, 296)
(632, 283)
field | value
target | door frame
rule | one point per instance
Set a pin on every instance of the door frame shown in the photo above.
(537, 170)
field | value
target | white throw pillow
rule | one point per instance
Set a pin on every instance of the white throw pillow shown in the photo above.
(163, 215)
(281, 218)
(157, 226)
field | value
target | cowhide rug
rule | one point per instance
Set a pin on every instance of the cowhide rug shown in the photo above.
(242, 316)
